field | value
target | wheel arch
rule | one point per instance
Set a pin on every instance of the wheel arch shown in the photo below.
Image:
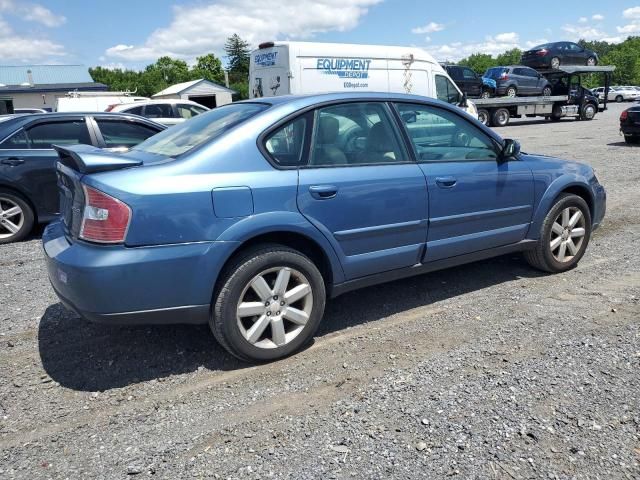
(560, 186)
(289, 229)
(23, 195)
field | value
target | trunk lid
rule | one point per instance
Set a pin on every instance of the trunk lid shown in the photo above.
(74, 163)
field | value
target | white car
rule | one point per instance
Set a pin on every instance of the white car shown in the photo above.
(166, 112)
(617, 94)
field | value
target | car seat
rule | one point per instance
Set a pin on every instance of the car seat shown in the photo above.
(325, 152)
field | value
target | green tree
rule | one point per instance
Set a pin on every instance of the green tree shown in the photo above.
(479, 62)
(510, 57)
(208, 67)
(237, 51)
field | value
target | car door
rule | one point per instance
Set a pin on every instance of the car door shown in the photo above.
(121, 134)
(33, 168)
(538, 82)
(476, 201)
(362, 190)
(472, 82)
(524, 82)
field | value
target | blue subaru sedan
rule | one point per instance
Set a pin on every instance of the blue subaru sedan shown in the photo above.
(250, 216)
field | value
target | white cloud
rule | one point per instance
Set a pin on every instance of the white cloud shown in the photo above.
(430, 27)
(597, 17)
(632, 13)
(583, 20)
(32, 12)
(585, 32)
(509, 37)
(630, 28)
(203, 28)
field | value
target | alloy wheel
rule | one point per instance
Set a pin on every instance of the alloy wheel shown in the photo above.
(555, 63)
(567, 234)
(11, 218)
(274, 307)
(591, 61)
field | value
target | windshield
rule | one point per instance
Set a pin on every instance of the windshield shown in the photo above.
(495, 72)
(186, 136)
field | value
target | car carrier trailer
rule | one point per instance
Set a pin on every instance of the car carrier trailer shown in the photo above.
(569, 99)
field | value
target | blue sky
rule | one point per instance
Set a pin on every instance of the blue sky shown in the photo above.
(134, 33)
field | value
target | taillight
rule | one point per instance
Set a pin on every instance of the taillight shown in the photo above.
(105, 219)
(623, 116)
(504, 76)
(542, 53)
(111, 107)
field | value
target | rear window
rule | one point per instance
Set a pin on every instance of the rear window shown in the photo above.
(182, 138)
(495, 72)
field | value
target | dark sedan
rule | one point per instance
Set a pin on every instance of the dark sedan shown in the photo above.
(630, 125)
(28, 184)
(556, 54)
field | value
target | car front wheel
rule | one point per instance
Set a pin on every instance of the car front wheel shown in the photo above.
(269, 305)
(564, 236)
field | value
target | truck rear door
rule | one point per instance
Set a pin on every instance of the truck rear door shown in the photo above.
(269, 72)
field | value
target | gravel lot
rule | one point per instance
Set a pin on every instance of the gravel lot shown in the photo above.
(490, 370)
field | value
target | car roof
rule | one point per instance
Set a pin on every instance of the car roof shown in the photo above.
(21, 120)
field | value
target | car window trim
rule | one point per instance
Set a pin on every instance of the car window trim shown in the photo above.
(16, 132)
(492, 140)
(394, 127)
(108, 118)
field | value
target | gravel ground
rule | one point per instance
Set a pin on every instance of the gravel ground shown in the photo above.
(490, 370)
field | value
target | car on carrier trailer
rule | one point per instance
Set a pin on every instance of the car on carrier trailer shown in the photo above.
(568, 99)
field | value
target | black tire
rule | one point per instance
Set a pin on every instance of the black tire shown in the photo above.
(619, 99)
(235, 281)
(555, 63)
(27, 217)
(500, 117)
(632, 140)
(486, 93)
(484, 117)
(546, 91)
(556, 115)
(541, 257)
(592, 62)
(512, 91)
(588, 112)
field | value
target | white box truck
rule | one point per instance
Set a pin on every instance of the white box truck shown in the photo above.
(296, 68)
(94, 101)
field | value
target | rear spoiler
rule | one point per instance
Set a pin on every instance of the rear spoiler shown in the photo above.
(87, 159)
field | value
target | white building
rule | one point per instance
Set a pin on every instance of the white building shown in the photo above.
(201, 91)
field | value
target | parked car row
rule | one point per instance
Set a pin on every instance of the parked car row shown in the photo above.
(28, 184)
(618, 93)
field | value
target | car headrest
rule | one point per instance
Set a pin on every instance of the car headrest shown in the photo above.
(328, 129)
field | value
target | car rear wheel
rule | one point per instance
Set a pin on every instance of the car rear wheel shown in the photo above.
(485, 93)
(512, 92)
(500, 117)
(619, 98)
(592, 62)
(564, 236)
(16, 217)
(632, 140)
(269, 305)
(546, 91)
(555, 63)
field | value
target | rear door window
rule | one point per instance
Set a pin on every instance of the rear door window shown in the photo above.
(187, 111)
(124, 134)
(44, 135)
(134, 110)
(469, 74)
(285, 145)
(161, 110)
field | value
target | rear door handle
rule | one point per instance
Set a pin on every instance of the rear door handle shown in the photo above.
(446, 182)
(12, 161)
(323, 192)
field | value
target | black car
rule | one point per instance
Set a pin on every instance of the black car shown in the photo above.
(630, 124)
(516, 80)
(553, 55)
(28, 181)
(468, 81)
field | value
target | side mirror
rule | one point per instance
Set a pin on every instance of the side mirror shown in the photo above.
(510, 148)
(409, 117)
(463, 103)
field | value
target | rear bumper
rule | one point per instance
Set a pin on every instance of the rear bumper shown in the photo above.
(630, 130)
(146, 285)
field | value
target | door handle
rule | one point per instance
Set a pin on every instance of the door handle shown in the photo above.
(12, 161)
(446, 182)
(323, 192)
